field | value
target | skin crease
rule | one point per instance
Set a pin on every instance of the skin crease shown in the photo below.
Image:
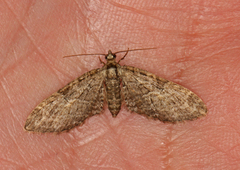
(198, 47)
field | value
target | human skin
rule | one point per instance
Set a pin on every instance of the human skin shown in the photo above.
(197, 47)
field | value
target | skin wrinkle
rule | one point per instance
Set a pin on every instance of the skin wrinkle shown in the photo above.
(33, 42)
(141, 12)
(6, 90)
(13, 138)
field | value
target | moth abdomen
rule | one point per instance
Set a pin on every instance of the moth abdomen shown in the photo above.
(113, 91)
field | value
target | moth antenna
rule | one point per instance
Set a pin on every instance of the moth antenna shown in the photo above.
(76, 55)
(138, 49)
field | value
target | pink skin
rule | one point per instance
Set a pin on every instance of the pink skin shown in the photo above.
(198, 47)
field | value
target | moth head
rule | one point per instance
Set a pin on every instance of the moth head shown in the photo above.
(110, 55)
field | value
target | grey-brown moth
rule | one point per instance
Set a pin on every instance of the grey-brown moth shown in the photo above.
(141, 91)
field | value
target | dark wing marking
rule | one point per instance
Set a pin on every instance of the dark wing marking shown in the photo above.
(71, 105)
(155, 97)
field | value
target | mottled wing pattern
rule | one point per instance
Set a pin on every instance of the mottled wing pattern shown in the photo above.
(155, 97)
(71, 105)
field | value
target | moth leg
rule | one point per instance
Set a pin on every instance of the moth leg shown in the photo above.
(123, 56)
(101, 61)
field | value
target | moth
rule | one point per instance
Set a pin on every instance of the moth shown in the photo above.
(141, 91)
